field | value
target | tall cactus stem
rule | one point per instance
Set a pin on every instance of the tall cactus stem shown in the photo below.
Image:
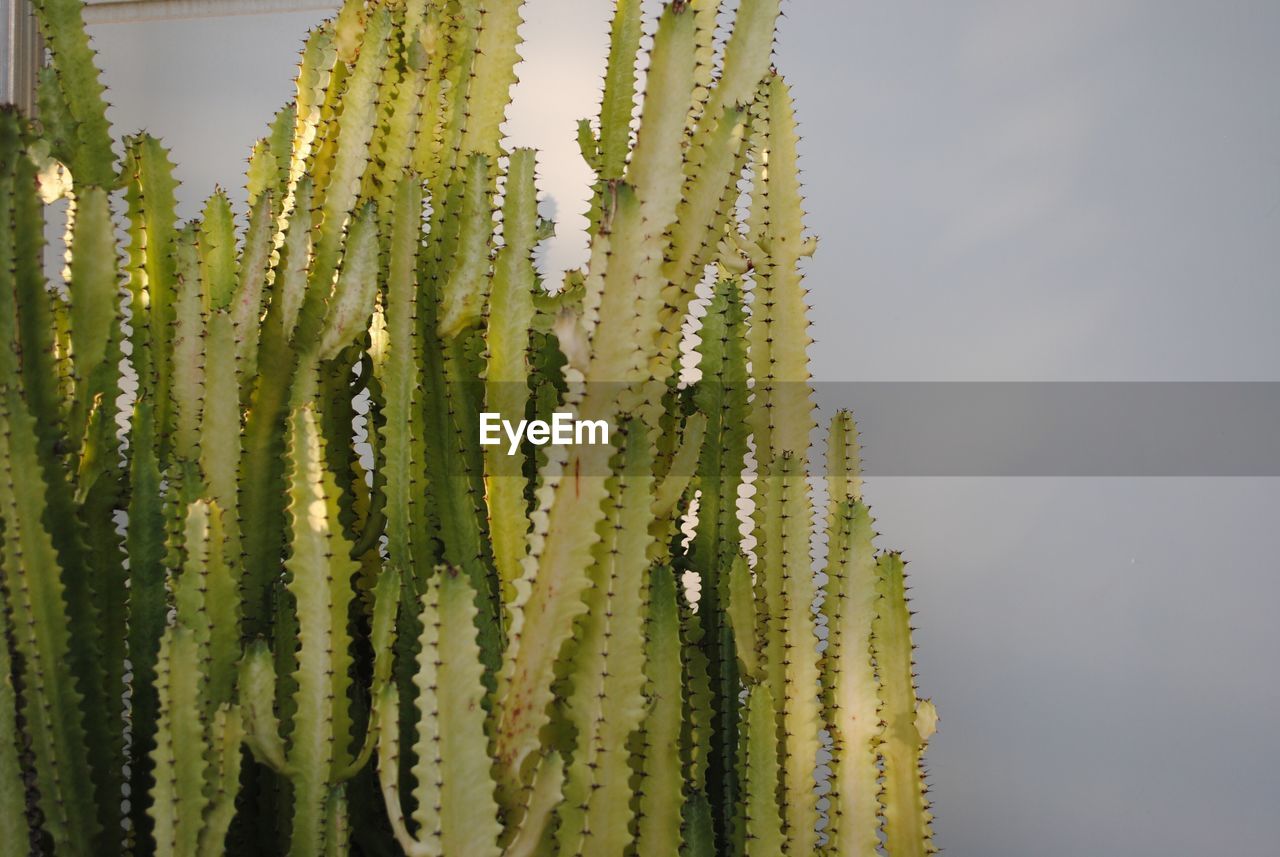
(908, 722)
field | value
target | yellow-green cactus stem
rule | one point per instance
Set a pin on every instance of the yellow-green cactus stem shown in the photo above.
(661, 789)
(909, 722)
(800, 713)
(762, 815)
(722, 396)
(455, 811)
(35, 593)
(850, 689)
(397, 376)
(607, 670)
(320, 573)
(507, 337)
(13, 792)
(196, 756)
(80, 92)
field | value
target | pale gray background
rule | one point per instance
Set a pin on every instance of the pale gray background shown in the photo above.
(1018, 190)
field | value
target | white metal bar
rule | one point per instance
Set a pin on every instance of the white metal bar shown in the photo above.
(22, 49)
(133, 11)
(21, 52)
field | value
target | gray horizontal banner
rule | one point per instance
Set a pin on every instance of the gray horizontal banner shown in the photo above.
(1136, 429)
(1064, 428)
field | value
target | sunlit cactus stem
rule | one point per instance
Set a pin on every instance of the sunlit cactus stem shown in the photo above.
(908, 722)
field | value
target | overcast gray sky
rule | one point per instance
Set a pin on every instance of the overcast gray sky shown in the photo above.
(1014, 190)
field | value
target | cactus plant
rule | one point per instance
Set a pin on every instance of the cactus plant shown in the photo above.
(265, 590)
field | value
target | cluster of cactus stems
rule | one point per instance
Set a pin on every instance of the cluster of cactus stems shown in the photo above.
(263, 589)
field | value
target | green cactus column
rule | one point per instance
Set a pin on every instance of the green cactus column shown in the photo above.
(908, 721)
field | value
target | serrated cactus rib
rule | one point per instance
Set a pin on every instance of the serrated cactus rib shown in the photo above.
(81, 91)
(13, 798)
(851, 692)
(51, 702)
(607, 673)
(397, 377)
(908, 721)
(507, 373)
(763, 820)
(456, 810)
(196, 756)
(320, 573)
(661, 768)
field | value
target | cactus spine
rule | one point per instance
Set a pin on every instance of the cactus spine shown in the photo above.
(335, 621)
